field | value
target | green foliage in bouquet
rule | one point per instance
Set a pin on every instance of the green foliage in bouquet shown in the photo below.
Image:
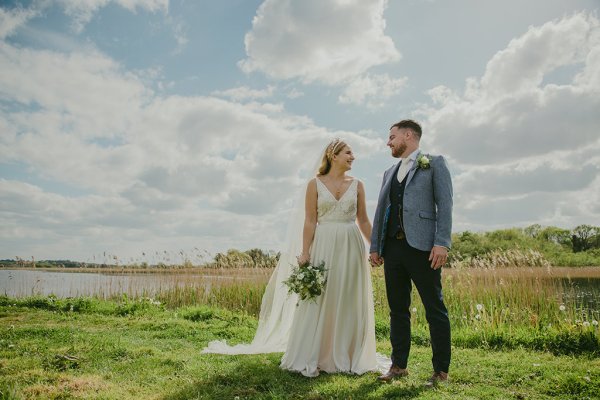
(307, 280)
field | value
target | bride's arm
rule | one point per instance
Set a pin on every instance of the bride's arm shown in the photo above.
(361, 213)
(310, 220)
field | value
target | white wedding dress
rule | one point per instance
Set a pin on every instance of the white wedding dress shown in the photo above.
(336, 333)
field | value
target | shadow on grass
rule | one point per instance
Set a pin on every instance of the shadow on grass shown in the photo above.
(259, 376)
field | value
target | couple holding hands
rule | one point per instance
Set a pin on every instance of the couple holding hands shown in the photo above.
(410, 232)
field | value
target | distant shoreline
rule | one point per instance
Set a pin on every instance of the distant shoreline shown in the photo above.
(559, 271)
(147, 270)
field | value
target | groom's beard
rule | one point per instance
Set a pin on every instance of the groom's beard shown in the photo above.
(398, 151)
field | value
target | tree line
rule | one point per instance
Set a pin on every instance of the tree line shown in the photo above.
(540, 245)
(579, 246)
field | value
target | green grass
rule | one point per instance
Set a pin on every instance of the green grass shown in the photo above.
(517, 333)
(505, 308)
(115, 350)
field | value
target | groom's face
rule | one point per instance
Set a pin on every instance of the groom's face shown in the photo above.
(397, 141)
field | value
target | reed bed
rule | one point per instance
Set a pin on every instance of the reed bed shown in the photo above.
(491, 296)
(548, 309)
(232, 289)
(239, 296)
(499, 258)
(535, 298)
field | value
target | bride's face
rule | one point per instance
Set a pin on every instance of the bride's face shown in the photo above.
(344, 158)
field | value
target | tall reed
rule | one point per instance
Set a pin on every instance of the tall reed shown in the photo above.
(531, 297)
(551, 309)
(488, 298)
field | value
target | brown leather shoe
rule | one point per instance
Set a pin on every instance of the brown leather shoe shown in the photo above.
(436, 378)
(393, 373)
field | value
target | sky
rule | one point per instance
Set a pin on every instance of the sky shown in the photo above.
(163, 130)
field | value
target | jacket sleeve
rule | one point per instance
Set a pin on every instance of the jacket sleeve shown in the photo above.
(442, 193)
(378, 219)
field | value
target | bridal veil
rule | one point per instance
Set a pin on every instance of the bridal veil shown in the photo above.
(278, 306)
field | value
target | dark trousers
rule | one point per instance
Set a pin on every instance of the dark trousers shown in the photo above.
(403, 264)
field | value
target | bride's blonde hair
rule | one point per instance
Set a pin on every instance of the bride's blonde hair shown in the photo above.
(333, 148)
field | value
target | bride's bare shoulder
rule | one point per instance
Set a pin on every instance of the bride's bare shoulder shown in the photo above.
(359, 184)
(352, 179)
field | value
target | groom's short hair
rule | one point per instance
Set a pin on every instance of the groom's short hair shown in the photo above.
(409, 124)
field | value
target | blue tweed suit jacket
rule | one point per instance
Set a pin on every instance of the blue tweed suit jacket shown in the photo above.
(427, 207)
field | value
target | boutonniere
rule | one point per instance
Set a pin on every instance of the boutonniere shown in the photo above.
(423, 161)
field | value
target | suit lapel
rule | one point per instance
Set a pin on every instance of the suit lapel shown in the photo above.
(413, 169)
(388, 182)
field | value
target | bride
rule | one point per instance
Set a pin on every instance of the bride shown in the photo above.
(335, 333)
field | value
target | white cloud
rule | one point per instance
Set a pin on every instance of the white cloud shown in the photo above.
(372, 90)
(521, 67)
(327, 41)
(11, 20)
(48, 225)
(182, 39)
(99, 157)
(180, 34)
(523, 147)
(244, 93)
(294, 93)
(180, 169)
(86, 84)
(83, 11)
(518, 178)
(230, 154)
(510, 113)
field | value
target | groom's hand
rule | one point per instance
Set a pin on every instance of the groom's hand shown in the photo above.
(375, 259)
(438, 256)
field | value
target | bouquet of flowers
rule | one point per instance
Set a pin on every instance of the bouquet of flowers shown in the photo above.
(307, 280)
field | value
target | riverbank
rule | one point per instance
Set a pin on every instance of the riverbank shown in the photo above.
(150, 270)
(94, 349)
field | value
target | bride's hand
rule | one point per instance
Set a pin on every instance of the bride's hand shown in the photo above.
(303, 258)
(375, 259)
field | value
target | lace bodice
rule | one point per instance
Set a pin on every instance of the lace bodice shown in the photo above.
(331, 210)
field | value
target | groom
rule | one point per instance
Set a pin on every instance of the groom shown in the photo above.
(411, 232)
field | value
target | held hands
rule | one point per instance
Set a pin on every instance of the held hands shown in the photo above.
(375, 259)
(438, 256)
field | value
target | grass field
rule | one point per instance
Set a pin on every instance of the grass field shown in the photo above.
(142, 350)
(522, 333)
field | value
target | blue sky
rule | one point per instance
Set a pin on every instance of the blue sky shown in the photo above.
(131, 127)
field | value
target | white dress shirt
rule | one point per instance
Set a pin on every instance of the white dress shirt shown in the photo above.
(406, 164)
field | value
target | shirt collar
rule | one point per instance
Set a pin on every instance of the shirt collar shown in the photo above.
(412, 156)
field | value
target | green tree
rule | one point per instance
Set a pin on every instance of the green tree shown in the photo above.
(262, 259)
(233, 259)
(533, 230)
(556, 235)
(583, 237)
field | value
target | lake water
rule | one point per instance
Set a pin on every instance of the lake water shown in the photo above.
(586, 292)
(22, 283)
